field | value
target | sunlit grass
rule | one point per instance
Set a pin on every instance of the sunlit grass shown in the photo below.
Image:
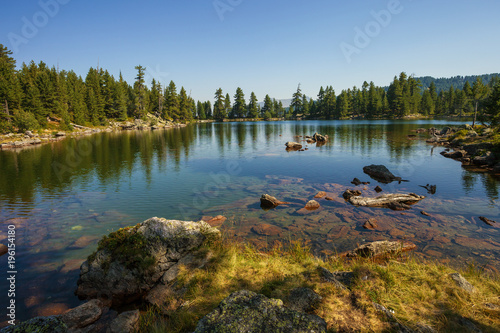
(418, 292)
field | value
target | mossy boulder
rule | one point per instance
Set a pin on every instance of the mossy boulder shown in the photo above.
(131, 261)
(246, 311)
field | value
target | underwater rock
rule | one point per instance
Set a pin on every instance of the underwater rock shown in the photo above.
(321, 194)
(3, 249)
(246, 311)
(265, 229)
(378, 189)
(370, 224)
(214, 221)
(356, 181)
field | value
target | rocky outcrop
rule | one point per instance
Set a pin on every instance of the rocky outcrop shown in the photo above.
(380, 248)
(130, 262)
(83, 315)
(246, 311)
(395, 201)
(126, 322)
(267, 201)
(380, 173)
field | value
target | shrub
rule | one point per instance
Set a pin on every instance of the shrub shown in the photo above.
(25, 121)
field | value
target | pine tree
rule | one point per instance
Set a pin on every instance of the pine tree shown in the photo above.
(200, 111)
(297, 101)
(219, 109)
(253, 110)
(268, 106)
(140, 92)
(185, 112)
(427, 104)
(208, 110)
(227, 105)
(171, 102)
(239, 107)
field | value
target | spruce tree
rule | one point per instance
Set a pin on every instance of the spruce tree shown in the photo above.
(171, 102)
(297, 101)
(219, 108)
(253, 110)
(239, 107)
(140, 94)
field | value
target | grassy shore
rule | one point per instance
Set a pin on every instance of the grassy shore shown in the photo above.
(420, 293)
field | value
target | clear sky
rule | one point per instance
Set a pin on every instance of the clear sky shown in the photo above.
(265, 46)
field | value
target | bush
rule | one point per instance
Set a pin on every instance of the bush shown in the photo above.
(25, 121)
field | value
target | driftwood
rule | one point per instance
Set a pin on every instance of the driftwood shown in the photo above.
(387, 200)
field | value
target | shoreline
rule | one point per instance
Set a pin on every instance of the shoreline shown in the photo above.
(19, 141)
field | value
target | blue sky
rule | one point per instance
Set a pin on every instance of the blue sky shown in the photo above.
(268, 47)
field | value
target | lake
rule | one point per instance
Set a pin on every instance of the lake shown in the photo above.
(62, 197)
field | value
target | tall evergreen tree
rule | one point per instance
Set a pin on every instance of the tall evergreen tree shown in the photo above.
(253, 110)
(140, 106)
(268, 107)
(200, 111)
(239, 107)
(297, 101)
(171, 102)
(478, 93)
(219, 107)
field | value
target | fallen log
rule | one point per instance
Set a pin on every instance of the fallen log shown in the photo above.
(386, 200)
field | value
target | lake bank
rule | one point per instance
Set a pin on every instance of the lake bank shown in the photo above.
(212, 277)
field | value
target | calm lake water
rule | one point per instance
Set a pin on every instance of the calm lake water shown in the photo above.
(64, 196)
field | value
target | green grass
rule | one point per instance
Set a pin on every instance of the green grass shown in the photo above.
(418, 292)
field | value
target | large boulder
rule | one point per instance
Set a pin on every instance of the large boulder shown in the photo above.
(290, 145)
(380, 173)
(131, 261)
(248, 312)
(320, 138)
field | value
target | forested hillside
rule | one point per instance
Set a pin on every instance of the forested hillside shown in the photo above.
(32, 93)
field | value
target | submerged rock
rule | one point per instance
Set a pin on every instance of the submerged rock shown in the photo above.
(395, 201)
(356, 181)
(267, 229)
(248, 312)
(376, 249)
(370, 224)
(131, 261)
(487, 221)
(378, 189)
(380, 173)
(321, 194)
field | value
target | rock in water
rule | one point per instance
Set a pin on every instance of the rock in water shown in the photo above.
(293, 145)
(370, 224)
(378, 189)
(356, 181)
(320, 138)
(131, 261)
(376, 249)
(247, 312)
(394, 201)
(268, 202)
(487, 221)
(380, 173)
(321, 194)
(350, 193)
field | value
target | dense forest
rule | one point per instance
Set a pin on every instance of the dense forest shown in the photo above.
(456, 81)
(33, 93)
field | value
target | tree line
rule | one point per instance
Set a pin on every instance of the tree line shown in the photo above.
(32, 94)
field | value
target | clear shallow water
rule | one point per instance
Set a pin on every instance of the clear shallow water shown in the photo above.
(64, 196)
